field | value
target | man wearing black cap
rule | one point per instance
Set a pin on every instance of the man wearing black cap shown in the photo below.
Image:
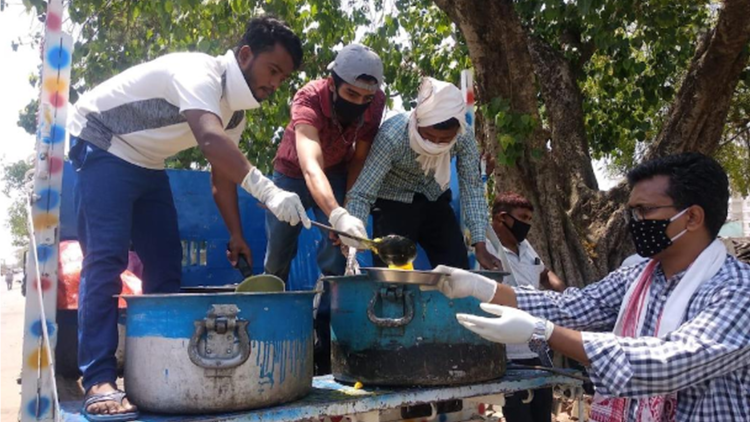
(333, 123)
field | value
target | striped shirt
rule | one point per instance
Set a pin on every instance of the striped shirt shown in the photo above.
(706, 361)
(392, 172)
(138, 115)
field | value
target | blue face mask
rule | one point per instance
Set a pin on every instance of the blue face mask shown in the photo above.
(650, 236)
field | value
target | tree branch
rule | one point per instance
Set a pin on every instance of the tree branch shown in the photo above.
(695, 121)
(564, 103)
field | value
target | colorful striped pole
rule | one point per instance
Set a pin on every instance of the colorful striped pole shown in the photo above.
(467, 89)
(38, 392)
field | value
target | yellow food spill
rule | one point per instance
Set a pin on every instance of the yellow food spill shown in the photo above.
(408, 266)
(358, 385)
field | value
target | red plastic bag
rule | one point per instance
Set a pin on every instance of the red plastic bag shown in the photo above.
(69, 276)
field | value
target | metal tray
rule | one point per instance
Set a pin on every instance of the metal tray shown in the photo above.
(388, 275)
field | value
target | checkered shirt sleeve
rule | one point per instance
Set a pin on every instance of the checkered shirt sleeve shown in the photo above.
(473, 201)
(706, 361)
(594, 307)
(379, 162)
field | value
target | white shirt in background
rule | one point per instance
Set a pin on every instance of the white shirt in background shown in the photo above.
(525, 268)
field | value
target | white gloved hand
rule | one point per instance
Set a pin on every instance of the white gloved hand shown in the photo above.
(513, 327)
(342, 221)
(286, 206)
(461, 283)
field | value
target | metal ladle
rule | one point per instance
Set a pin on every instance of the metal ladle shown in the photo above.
(393, 249)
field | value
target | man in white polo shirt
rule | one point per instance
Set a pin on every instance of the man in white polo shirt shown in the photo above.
(506, 239)
(122, 131)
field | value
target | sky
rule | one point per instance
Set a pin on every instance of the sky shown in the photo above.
(16, 92)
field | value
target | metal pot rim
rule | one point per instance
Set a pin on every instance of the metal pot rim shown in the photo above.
(365, 276)
(183, 295)
(396, 276)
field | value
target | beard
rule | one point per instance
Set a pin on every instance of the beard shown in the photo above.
(250, 81)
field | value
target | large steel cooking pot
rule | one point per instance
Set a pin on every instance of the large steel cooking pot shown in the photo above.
(202, 353)
(397, 335)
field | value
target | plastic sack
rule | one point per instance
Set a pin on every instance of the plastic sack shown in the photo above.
(69, 276)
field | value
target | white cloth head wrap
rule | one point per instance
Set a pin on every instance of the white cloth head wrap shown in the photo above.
(437, 102)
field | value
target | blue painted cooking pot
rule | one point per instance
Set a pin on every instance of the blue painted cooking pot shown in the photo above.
(204, 353)
(397, 335)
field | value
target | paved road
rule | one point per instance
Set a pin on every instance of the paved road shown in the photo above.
(11, 331)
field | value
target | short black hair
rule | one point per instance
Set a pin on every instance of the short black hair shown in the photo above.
(508, 201)
(451, 123)
(337, 81)
(694, 179)
(264, 32)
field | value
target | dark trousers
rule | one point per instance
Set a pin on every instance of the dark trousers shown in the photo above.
(431, 224)
(282, 248)
(282, 238)
(118, 203)
(539, 409)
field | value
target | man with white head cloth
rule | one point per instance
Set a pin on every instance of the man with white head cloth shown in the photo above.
(405, 180)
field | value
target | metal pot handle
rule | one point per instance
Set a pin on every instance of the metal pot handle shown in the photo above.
(391, 322)
(218, 350)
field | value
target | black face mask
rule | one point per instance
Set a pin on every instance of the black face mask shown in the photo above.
(347, 112)
(650, 236)
(519, 229)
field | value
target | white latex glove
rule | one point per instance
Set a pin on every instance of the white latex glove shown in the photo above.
(514, 325)
(461, 283)
(342, 221)
(286, 206)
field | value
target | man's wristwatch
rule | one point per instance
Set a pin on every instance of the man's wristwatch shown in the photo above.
(538, 342)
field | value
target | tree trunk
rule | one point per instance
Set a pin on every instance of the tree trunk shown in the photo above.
(499, 48)
(578, 230)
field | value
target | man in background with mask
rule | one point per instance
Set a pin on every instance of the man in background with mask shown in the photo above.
(406, 177)
(122, 131)
(667, 339)
(506, 239)
(333, 123)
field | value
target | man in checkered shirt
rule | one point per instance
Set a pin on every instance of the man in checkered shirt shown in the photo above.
(405, 180)
(679, 349)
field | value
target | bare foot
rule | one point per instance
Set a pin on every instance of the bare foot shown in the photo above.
(108, 407)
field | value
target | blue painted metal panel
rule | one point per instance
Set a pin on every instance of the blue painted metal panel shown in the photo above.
(68, 222)
(204, 234)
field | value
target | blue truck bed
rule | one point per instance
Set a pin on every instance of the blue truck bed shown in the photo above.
(330, 399)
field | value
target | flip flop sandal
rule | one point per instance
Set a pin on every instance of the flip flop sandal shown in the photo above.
(116, 396)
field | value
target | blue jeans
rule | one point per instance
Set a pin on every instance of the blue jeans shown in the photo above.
(118, 203)
(282, 238)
